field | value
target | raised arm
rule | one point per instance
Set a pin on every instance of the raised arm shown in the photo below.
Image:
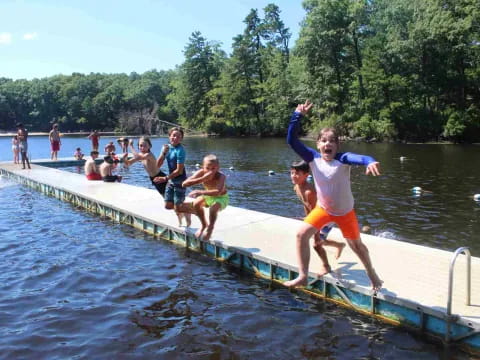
(305, 152)
(162, 156)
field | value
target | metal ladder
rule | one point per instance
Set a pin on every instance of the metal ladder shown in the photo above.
(450, 318)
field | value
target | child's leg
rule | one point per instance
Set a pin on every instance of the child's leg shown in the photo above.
(348, 224)
(199, 206)
(303, 254)
(315, 220)
(318, 246)
(213, 213)
(339, 246)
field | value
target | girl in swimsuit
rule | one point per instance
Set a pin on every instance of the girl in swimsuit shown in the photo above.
(16, 150)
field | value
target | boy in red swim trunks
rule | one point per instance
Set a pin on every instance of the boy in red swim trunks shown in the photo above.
(54, 137)
(91, 170)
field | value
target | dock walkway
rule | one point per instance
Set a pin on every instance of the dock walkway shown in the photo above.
(415, 277)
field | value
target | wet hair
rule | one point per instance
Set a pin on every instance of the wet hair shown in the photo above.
(300, 166)
(55, 126)
(211, 158)
(176, 128)
(19, 125)
(94, 152)
(329, 129)
(78, 149)
(145, 139)
(110, 160)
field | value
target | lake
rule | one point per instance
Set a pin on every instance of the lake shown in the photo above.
(74, 285)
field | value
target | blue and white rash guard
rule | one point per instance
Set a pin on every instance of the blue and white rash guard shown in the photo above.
(332, 178)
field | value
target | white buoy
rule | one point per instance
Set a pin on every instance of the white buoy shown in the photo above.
(197, 165)
(231, 168)
(476, 197)
(310, 178)
(417, 189)
(271, 172)
(403, 158)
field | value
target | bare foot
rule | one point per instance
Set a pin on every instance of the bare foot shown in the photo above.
(188, 219)
(340, 248)
(376, 281)
(325, 269)
(299, 281)
(199, 232)
(208, 233)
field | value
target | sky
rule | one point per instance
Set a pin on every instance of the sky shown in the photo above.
(41, 38)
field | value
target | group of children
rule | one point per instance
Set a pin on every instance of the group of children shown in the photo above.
(329, 201)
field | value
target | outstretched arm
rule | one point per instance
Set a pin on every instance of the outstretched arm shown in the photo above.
(198, 177)
(218, 190)
(373, 166)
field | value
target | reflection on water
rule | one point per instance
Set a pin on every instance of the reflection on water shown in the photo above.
(74, 285)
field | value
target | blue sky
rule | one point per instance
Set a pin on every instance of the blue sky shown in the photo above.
(40, 38)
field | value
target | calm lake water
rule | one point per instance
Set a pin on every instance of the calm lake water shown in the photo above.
(73, 285)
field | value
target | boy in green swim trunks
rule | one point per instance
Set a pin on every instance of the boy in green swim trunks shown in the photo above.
(214, 196)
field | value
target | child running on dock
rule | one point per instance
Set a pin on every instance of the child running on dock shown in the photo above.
(331, 172)
(91, 170)
(214, 196)
(175, 154)
(149, 162)
(299, 172)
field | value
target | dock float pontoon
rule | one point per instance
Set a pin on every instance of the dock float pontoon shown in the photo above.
(417, 279)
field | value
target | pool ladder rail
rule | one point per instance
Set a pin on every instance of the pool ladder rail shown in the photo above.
(465, 250)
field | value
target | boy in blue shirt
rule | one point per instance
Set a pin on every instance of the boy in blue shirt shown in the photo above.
(174, 153)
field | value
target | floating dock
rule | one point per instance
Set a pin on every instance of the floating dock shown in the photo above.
(416, 278)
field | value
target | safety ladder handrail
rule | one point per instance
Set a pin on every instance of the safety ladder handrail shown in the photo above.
(466, 251)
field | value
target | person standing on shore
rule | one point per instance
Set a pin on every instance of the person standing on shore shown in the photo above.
(54, 137)
(94, 137)
(22, 135)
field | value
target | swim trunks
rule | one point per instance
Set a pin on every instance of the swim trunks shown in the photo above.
(110, 178)
(55, 145)
(175, 193)
(159, 186)
(23, 146)
(347, 223)
(94, 176)
(220, 199)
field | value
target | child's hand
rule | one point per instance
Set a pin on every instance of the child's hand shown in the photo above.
(208, 175)
(304, 108)
(159, 179)
(195, 193)
(130, 142)
(373, 168)
(165, 149)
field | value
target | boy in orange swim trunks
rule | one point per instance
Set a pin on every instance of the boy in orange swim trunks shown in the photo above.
(331, 171)
(307, 194)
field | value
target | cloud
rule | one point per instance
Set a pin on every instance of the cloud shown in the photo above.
(29, 36)
(5, 38)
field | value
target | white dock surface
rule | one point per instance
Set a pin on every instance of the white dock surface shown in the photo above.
(411, 272)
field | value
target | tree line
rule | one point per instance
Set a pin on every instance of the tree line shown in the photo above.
(376, 69)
